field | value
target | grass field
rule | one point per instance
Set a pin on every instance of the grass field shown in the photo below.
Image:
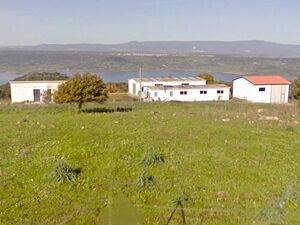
(207, 148)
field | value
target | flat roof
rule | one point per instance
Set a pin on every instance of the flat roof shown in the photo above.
(36, 81)
(266, 79)
(185, 87)
(168, 79)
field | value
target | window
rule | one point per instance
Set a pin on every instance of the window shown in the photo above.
(183, 93)
(155, 94)
(185, 84)
(171, 93)
(262, 89)
(220, 91)
(203, 92)
(158, 84)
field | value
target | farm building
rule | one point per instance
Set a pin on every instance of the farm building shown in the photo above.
(136, 85)
(262, 88)
(188, 93)
(177, 89)
(32, 91)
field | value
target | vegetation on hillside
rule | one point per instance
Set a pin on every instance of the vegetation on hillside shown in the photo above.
(237, 162)
(23, 62)
(81, 88)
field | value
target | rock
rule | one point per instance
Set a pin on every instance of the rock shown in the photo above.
(153, 113)
(260, 110)
(116, 122)
(226, 120)
(270, 118)
(221, 195)
(174, 114)
(43, 126)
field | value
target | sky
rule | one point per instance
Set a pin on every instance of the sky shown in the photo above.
(33, 22)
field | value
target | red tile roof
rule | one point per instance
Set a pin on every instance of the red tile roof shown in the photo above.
(266, 79)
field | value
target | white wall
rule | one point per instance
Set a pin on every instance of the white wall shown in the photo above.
(21, 92)
(192, 95)
(131, 82)
(243, 89)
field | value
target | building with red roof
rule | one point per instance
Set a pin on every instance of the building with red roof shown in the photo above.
(266, 88)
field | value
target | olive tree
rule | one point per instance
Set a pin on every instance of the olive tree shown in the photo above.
(81, 88)
(208, 77)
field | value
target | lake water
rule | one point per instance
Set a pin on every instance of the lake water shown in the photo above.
(123, 76)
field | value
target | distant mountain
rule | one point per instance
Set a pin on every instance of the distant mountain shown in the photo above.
(244, 48)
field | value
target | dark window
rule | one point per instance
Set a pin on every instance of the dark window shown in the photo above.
(185, 84)
(203, 92)
(183, 93)
(155, 94)
(158, 84)
(220, 92)
(171, 93)
(262, 89)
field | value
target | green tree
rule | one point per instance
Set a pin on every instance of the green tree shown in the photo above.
(296, 88)
(81, 88)
(208, 77)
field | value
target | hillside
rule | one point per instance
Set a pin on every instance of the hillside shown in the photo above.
(27, 61)
(232, 165)
(244, 48)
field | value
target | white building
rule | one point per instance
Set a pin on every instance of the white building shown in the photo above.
(177, 89)
(188, 93)
(137, 85)
(261, 88)
(31, 91)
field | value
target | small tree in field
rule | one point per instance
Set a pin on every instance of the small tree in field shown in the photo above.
(81, 88)
(208, 77)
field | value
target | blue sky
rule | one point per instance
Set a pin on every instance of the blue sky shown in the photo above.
(30, 22)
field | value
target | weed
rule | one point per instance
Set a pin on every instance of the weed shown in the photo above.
(62, 172)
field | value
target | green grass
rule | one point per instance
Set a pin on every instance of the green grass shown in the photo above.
(253, 161)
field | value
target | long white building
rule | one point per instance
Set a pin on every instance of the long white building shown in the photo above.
(188, 93)
(185, 89)
(262, 88)
(32, 91)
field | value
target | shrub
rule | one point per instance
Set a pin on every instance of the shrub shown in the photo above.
(150, 157)
(81, 88)
(62, 172)
(144, 180)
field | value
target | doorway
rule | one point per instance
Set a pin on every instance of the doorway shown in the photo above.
(36, 95)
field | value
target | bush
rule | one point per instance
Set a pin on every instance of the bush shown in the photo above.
(144, 180)
(62, 172)
(150, 157)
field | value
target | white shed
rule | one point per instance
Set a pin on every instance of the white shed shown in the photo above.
(137, 85)
(262, 88)
(188, 93)
(31, 91)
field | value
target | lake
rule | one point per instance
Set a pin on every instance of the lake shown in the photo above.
(123, 76)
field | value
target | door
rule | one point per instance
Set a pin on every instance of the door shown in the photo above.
(277, 94)
(134, 88)
(36, 95)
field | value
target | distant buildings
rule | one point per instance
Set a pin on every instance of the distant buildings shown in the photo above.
(32, 91)
(187, 89)
(262, 88)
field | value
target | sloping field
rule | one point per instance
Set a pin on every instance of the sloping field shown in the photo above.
(237, 163)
